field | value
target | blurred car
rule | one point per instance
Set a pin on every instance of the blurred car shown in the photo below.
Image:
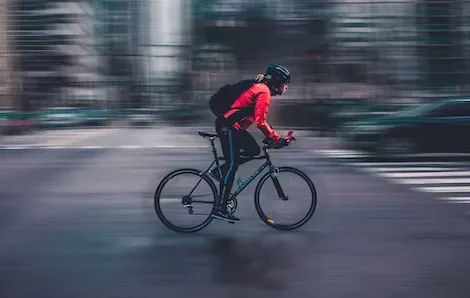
(96, 117)
(187, 115)
(17, 122)
(442, 126)
(324, 114)
(141, 116)
(345, 118)
(364, 112)
(60, 117)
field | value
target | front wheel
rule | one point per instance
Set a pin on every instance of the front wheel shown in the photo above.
(285, 199)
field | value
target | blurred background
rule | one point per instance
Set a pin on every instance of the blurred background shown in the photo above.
(360, 68)
(101, 99)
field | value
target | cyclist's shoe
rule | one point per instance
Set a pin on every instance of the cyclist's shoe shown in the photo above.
(225, 215)
(214, 173)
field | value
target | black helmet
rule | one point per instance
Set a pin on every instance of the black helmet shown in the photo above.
(277, 75)
(276, 72)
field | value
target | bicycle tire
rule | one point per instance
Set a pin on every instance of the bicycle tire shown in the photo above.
(159, 189)
(273, 223)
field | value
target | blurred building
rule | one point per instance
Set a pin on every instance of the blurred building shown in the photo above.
(56, 53)
(133, 53)
(238, 38)
(165, 30)
(415, 48)
(375, 42)
(6, 74)
(82, 44)
(464, 28)
(442, 45)
(125, 36)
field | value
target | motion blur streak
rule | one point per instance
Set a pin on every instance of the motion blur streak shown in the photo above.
(100, 99)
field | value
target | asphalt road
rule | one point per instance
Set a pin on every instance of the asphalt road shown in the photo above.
(78, 221)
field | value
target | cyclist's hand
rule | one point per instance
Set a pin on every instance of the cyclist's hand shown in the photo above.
(282, 142)
(276, 144)
(290, 136)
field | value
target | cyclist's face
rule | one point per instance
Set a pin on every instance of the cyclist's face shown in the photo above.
(283, 88)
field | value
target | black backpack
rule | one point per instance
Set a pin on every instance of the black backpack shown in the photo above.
(223, 99)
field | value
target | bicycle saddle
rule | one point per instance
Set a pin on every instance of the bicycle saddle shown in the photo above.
(207, 135)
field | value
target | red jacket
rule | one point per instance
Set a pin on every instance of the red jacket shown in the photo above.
(259, 97)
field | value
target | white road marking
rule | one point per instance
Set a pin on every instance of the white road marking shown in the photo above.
(437, 177)
(91, 147)
(407, 163)
(179, 146)
(410, 169)
(342, 153)
(425, 174)
(459, 202)
(435, 181)
(15, 147)
(445, 189)
(464, 200)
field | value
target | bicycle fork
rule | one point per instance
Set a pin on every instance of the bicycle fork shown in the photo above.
(277, 184)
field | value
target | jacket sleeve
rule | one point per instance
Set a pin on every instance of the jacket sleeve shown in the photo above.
(261, 111)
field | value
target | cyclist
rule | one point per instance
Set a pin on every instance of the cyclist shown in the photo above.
(251, 106)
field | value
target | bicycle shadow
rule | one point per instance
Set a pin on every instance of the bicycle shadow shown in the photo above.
(248, 263)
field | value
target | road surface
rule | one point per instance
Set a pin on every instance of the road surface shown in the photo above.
(77, 220)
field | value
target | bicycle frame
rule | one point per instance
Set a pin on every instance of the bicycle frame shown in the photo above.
(245, 183)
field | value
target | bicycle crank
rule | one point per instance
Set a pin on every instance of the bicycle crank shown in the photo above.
(232, 205)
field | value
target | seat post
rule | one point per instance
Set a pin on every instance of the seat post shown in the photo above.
(214, 151)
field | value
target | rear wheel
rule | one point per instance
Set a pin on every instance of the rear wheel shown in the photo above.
(285, 200)
(185, 194)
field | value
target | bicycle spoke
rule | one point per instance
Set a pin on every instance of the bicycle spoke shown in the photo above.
(170, 200)
(203, 202)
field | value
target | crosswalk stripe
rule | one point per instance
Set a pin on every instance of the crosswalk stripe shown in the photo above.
(445, 189)
(425, 174)
(407, 163)
(411, 169)
(435, 181)
(441, 178)
(461, 200)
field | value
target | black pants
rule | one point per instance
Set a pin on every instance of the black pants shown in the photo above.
(233, 141)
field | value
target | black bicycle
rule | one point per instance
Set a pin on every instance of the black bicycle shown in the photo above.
(177, 190)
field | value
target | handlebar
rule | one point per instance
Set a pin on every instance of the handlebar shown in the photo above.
(290, 137)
